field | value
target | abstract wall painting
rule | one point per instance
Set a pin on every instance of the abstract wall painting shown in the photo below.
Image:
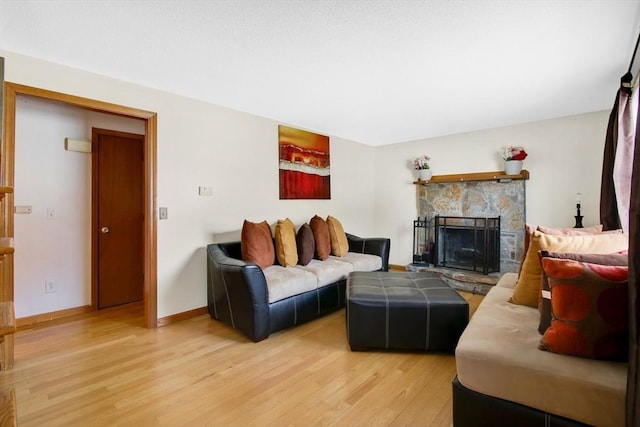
(304, 164)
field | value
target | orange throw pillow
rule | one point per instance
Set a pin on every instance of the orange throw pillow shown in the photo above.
(528, 232)
(589, 303)
(286, 248)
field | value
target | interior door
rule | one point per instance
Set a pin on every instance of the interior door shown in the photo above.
(118, 216)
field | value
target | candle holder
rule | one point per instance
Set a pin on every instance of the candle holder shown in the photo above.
(578, 217)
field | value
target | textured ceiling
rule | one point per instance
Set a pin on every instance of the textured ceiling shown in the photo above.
(376, 72)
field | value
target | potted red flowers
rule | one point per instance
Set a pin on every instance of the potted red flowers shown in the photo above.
(513, 157)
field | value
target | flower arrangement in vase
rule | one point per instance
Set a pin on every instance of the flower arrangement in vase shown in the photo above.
(513, 157)
(421, 164)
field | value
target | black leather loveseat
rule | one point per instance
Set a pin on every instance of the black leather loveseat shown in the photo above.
(237, 292)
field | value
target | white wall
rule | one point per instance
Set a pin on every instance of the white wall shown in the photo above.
(49, 177)
(372, 191)
(202, 144)
(565, 157)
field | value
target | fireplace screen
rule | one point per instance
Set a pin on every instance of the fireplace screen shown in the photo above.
(467, 243)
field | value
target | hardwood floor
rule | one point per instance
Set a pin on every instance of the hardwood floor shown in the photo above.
(105, 369)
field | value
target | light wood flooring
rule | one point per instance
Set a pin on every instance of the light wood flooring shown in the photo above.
(105, 369)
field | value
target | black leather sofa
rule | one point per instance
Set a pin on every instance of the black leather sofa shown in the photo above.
(237, 292)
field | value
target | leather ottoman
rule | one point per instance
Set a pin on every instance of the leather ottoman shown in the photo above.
(403, 311)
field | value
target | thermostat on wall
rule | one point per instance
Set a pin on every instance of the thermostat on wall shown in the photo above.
(22, 209)
(77, 145)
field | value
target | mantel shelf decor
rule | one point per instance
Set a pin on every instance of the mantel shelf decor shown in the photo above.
(476, 176)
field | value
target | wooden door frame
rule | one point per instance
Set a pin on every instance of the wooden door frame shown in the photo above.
(7, 163)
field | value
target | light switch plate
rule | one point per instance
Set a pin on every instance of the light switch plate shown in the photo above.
(204, 190)
(163, 213)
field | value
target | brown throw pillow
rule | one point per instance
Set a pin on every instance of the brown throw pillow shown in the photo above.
(339, 242)
(590, 312)
(306, 244)
(286, 250)
(321, 237)
(544, 303)
(256, 244)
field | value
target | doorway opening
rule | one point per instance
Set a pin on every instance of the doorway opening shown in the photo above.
(149, 230)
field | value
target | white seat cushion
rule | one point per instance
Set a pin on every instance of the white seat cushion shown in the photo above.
(285, 282)
(328, 271)
(361, 262)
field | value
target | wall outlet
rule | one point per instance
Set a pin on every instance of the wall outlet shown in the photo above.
(51, 214)
(49, 286)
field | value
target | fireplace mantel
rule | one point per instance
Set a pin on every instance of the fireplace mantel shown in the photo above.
(476, 176)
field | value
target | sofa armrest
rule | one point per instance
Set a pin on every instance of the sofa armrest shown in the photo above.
(237, 293)
(508, 280)
(373, 246)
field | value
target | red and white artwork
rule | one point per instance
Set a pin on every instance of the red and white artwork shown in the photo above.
(304, 164)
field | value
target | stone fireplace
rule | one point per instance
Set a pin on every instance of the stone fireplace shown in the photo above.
(484, 195)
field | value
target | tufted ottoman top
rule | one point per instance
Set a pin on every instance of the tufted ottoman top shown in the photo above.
(408, 310)
(401, 288)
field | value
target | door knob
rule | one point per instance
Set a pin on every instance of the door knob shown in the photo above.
(104, 230)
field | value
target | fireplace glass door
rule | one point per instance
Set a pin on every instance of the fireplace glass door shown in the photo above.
(467, 243)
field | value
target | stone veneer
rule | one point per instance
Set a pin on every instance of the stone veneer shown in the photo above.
(481, 199)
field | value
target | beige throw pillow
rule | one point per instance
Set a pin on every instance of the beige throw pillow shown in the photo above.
(558, 231)
(565, 231)
(286, 249)
(339, 242)
(527, 288)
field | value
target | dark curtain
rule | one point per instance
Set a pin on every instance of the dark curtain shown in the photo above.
(633, 376)
(609, 217)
